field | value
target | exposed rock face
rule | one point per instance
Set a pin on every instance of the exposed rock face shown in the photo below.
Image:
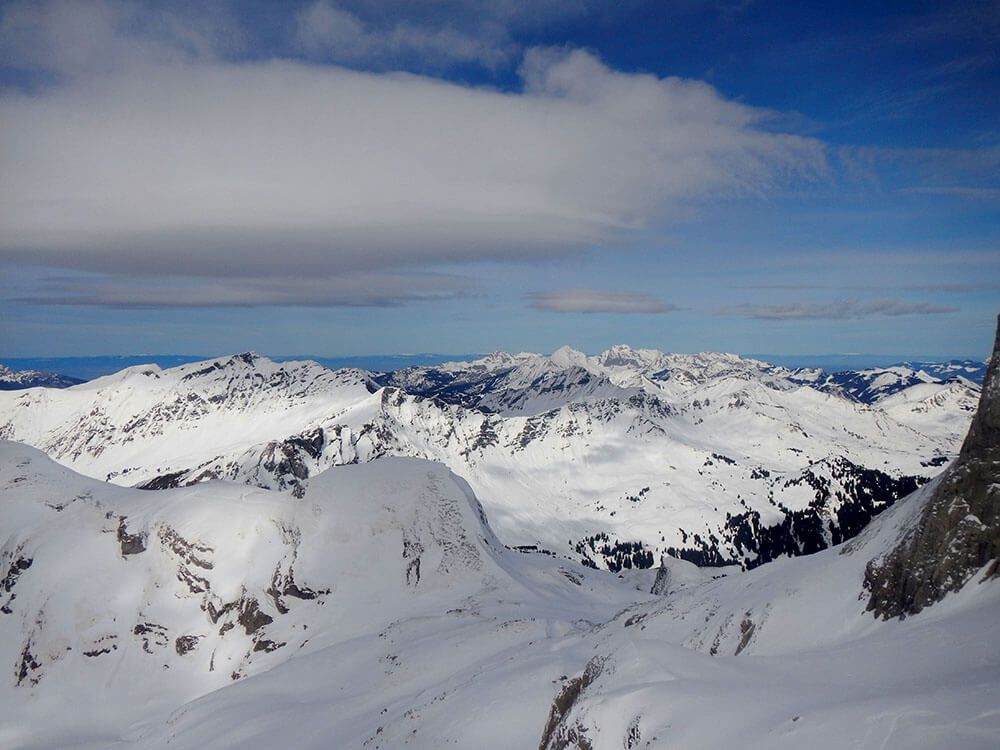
(561, 733)
(661, 586)
(958, 533)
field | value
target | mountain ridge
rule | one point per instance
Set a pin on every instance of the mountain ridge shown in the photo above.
(721, 459)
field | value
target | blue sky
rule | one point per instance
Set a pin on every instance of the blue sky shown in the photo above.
(342, 178)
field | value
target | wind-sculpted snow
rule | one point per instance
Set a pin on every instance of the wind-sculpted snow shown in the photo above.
(614, 459)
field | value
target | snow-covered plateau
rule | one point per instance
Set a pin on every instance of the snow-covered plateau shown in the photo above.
(328, 599)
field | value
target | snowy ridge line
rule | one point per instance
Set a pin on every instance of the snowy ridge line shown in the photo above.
(613, 459)
(11, 380)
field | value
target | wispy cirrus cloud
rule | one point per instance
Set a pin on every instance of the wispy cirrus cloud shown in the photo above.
(952, 287)
(324, 30)
(959, 172)
(842, 310)
(355, 289)
(790, 287)
(958, 191)
(598, 301)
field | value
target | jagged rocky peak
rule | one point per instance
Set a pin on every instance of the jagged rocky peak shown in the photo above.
(957, 536)
(623, 355)
(245, 357)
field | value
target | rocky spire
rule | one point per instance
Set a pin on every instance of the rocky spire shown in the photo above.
(958, 532)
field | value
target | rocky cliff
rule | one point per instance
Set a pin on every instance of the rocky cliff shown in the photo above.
(958, 534)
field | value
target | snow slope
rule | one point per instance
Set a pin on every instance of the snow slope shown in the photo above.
(160, 597)
(934, 408)
(220, 616)
(372, 606)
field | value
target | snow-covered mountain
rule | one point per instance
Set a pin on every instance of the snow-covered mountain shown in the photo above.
(379, 610)
(162, 597)
(613, 459)
(13, 380)
(871, 386)
(529, 383)
(970, 369)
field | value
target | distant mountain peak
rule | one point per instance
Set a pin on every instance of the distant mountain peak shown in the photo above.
(12, 380)
(567, 356)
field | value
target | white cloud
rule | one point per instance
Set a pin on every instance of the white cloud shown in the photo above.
(598, 301)
(841, 310)
(161, 159)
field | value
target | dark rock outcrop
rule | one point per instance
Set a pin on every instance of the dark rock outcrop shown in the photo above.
(163, 482)
(131, 544)
(560, 733)
(958, 531)
(186, 643)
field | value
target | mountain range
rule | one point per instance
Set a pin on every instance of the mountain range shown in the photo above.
(611, 460)
(377, 606)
